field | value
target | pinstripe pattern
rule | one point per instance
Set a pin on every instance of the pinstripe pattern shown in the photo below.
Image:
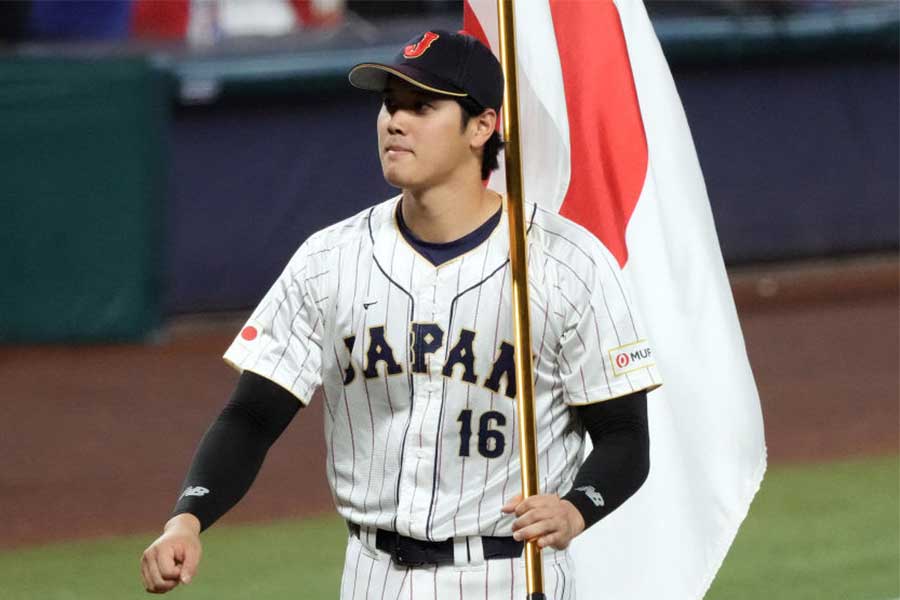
(428, 453)
(484, 495)
(368, 480)
(462, 461)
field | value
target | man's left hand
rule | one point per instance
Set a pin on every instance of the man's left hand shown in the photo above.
(545, 519)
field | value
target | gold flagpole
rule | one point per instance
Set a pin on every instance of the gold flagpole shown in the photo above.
(534, 574)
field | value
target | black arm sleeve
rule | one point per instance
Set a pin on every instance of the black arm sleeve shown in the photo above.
(232, 450)
(620, 461)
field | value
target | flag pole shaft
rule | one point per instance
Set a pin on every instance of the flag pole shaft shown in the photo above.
(525, 422)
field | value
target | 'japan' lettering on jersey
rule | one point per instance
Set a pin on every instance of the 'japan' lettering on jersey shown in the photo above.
(416, 367)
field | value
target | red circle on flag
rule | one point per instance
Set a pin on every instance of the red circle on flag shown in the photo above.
(622, 360)
(249, 333)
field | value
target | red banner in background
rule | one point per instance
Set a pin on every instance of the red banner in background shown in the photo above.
(606, 135)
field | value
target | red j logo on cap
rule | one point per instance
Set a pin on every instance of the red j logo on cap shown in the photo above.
(418, 49)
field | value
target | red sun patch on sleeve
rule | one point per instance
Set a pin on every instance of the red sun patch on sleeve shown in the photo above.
(249, 333)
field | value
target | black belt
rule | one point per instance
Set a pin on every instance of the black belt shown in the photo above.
(411, 552)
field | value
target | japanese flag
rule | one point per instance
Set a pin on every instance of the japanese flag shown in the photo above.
(605, 142)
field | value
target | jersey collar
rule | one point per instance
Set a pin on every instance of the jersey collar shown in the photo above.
(403, 265)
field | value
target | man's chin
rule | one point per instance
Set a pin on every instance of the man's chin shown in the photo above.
(399, 181)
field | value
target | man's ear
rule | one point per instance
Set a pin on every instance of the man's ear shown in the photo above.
(482, 127)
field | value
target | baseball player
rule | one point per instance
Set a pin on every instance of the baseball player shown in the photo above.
(401, 316)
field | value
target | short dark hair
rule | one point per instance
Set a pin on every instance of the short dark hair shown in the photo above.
(492, 147)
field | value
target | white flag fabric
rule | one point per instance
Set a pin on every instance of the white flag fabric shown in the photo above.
(605, 142)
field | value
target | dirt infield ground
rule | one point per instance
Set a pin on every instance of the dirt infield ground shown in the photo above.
(95, 439)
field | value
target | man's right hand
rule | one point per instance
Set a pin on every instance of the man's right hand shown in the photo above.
(174, 556)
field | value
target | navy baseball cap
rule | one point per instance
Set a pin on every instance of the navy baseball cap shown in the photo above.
(441, 62)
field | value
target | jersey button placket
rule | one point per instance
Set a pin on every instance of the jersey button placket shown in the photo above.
(418, 454)
(432, 388)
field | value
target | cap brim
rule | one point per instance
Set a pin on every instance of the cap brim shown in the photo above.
(374, 77)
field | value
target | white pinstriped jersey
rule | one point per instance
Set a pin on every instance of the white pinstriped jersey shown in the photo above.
(416, 365)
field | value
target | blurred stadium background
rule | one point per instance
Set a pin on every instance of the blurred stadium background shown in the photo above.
(162, 161)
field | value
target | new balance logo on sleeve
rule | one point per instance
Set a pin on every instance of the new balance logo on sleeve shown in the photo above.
(195, 490)
(592, 494)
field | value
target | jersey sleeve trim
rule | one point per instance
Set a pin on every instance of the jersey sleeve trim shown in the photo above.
(231, 363)
(598, 400)
(645, 378)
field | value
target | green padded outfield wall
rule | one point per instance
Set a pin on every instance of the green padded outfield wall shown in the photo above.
(82, 184)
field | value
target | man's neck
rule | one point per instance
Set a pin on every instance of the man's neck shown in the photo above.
(447, 213)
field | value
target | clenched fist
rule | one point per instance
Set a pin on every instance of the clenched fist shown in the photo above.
(174, 556)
